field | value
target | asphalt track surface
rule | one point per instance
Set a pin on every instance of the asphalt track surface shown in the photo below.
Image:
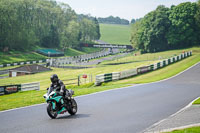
(125, 110)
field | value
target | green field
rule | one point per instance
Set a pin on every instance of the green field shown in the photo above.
(35, 97)
(74, 52)
(13, 57)
(16, 56)
(115, 34)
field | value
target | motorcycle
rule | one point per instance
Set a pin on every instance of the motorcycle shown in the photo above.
(57, 104)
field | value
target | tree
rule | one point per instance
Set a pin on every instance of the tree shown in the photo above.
(70, 36)
(113, 20)
(25, 24)
(197, 16)
(133, 21)
(183, 26)
(98, 35)
(148, 34)
(166, 28)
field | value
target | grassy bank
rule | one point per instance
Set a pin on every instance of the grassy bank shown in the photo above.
(188, 130)
(196, 102)
(17, 56)
(13, 57)
(75, 52)
(35, 97)
(115, 34)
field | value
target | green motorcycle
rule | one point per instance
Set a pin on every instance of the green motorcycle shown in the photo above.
(57, 104)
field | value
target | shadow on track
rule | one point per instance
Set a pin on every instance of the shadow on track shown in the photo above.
(77, 116)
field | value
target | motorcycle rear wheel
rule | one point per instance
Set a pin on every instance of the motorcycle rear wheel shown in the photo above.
(73, 109)
(51, 113)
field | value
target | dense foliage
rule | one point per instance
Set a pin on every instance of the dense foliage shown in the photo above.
(135, 20)
(113, 20)
(25, 24)
(168, 28)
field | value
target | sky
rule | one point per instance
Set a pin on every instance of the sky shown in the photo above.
(126, 9)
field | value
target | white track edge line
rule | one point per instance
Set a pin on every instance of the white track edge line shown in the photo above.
(21, 107)
(177, 128)
(159, 122)
(182, 127)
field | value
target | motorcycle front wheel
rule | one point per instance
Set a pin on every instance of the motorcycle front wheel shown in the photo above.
(73, 109)
(53, 114)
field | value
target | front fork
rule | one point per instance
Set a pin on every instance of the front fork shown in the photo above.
(54, 105)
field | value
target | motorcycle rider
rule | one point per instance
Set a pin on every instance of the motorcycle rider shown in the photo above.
(59, 85)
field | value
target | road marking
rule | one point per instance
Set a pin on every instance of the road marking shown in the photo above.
(171, 129)
(178, 128)
(109, 90)
(176, 74)
(21, 108)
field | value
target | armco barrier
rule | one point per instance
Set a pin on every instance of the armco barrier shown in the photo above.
(30, 86)
(155, 66)
(8, 89)
(115, 75)
(143, 69)
(107, 77)
(129, 73)
(99, 79)
(152, 67)
(77, 59)
(23, 63)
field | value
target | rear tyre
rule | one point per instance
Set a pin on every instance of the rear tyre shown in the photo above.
(53, 114)
(73, 109)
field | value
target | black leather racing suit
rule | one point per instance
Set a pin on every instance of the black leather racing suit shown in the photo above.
(60, 88)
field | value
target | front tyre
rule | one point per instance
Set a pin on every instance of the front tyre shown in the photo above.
(73, 109)
(50, 111)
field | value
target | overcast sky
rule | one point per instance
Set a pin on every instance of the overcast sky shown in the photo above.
(126, 9)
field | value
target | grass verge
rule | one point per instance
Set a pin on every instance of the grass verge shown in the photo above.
(187, 130)
(14, 57)
(196, 101)
(17, 56)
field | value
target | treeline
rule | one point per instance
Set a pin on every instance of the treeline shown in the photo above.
(113, 20)
(25, 24)
(135, 20)
(168, 28)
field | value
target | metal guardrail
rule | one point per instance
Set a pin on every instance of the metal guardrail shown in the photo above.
(129, 73)
(8, 89)
(24, 63)
(77, 59)
(30, 86)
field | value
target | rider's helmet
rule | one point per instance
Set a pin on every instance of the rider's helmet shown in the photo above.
(54, 78)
